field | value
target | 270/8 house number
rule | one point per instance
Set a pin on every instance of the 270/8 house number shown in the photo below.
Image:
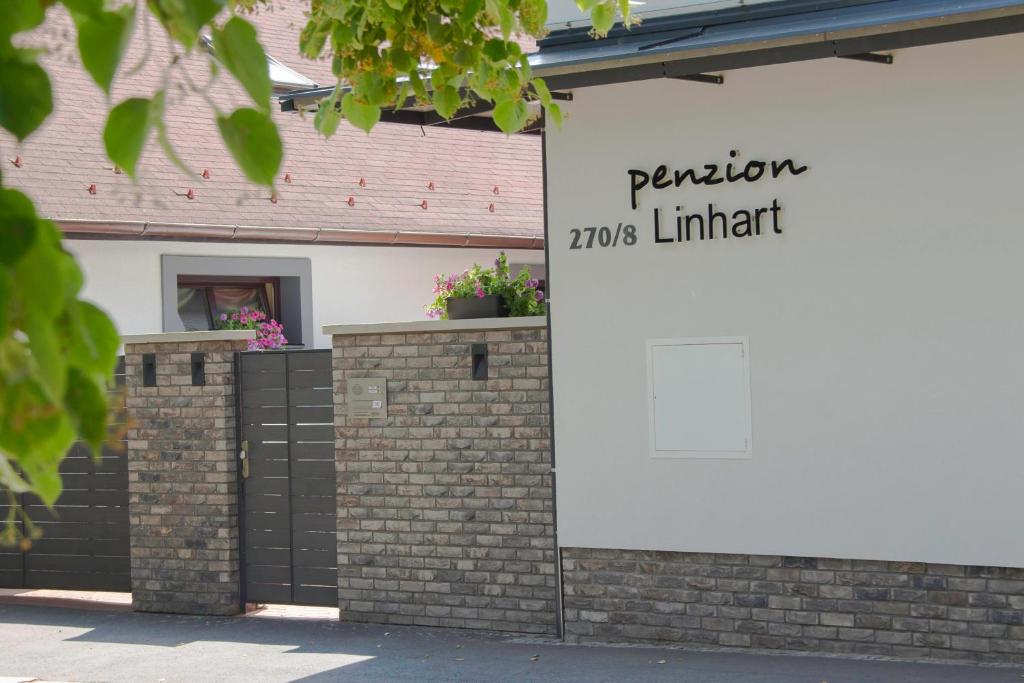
(604, 236)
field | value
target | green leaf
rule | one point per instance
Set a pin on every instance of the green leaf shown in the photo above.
(125, 134)
(554, 114)
(534, 14)
(184, 18)
(19, 15)
(507, 20)
(51, 363)
(91, 340)
(603, 17)
(363, 116)
(447, 101)
(511, 115)
(541, 88)
(25, 97)
(499, 13)
(6, 294)
(84, 6)
(102, 40)
(238, 49)
(402, 60)
(86, 403)
(42, 277)
(252, 139)
(496, 49)
(470, 10)
(9, 479)
(313, 37)
(17, 225)
(328, 116)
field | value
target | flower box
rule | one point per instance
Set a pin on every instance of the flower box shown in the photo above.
(486, 293)
(465, 307)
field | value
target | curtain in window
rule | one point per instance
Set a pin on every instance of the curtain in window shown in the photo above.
(229, 299)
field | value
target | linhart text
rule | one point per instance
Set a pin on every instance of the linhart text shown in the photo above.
(751, 172)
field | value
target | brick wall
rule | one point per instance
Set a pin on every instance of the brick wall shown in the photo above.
(902, 609)
(183, 495)
(445, 507)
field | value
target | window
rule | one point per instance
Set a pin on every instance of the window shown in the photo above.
(202, 301)
(197, 290)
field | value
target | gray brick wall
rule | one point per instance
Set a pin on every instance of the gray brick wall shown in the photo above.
(183, 495)
(902, 609)
(445, 507)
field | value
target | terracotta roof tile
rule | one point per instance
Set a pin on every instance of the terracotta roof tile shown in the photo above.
(61, 160)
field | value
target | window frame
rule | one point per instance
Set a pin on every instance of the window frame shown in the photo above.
(295, 291)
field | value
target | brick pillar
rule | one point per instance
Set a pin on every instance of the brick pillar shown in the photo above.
(445, 510)
(182, 486)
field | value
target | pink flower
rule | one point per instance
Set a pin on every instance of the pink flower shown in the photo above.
(480, 292)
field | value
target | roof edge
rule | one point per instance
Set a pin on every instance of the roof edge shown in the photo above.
(140, 230)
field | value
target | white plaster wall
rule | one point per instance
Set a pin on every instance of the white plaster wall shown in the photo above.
(351, 284)
(886, 323)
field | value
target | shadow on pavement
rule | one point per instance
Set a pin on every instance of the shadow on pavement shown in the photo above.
(371, 652)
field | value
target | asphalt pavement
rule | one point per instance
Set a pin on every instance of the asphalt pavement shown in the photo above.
(62, 644)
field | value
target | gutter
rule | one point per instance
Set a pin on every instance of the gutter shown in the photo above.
(144, 230)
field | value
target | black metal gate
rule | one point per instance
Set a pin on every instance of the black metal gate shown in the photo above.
(289, 508)
(85, 541)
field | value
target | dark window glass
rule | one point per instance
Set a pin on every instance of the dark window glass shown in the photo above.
(204, 302)
(194, 309)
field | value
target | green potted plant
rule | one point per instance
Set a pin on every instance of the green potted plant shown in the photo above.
(486, 293)
(269, 332)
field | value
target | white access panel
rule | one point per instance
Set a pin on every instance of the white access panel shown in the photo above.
(699, 392)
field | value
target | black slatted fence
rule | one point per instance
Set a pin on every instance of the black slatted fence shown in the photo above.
(85, 541)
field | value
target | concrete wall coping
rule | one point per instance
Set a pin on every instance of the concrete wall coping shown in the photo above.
(439, 325)
(179, 337)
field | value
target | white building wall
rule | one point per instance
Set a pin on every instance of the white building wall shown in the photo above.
(351, 284)
(885, 324)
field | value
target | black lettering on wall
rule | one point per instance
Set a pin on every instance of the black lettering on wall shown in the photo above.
(657, 228)
(779, 166)
(710, 174)
(637, 181)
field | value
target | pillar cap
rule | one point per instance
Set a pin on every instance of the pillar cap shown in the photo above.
(469, 325)
(185, 337)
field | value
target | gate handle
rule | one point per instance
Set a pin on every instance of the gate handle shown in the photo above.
(244, 457)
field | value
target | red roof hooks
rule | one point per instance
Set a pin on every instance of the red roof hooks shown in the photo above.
(206, 173)
(16, 161)
(491, 208)
(351, 201)
(430, 186)
(191, 194)
(496, 190)
(423, 204)
(288, 178)
(273, 197)
(117, 170)
(92, 188)
(362, 182)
